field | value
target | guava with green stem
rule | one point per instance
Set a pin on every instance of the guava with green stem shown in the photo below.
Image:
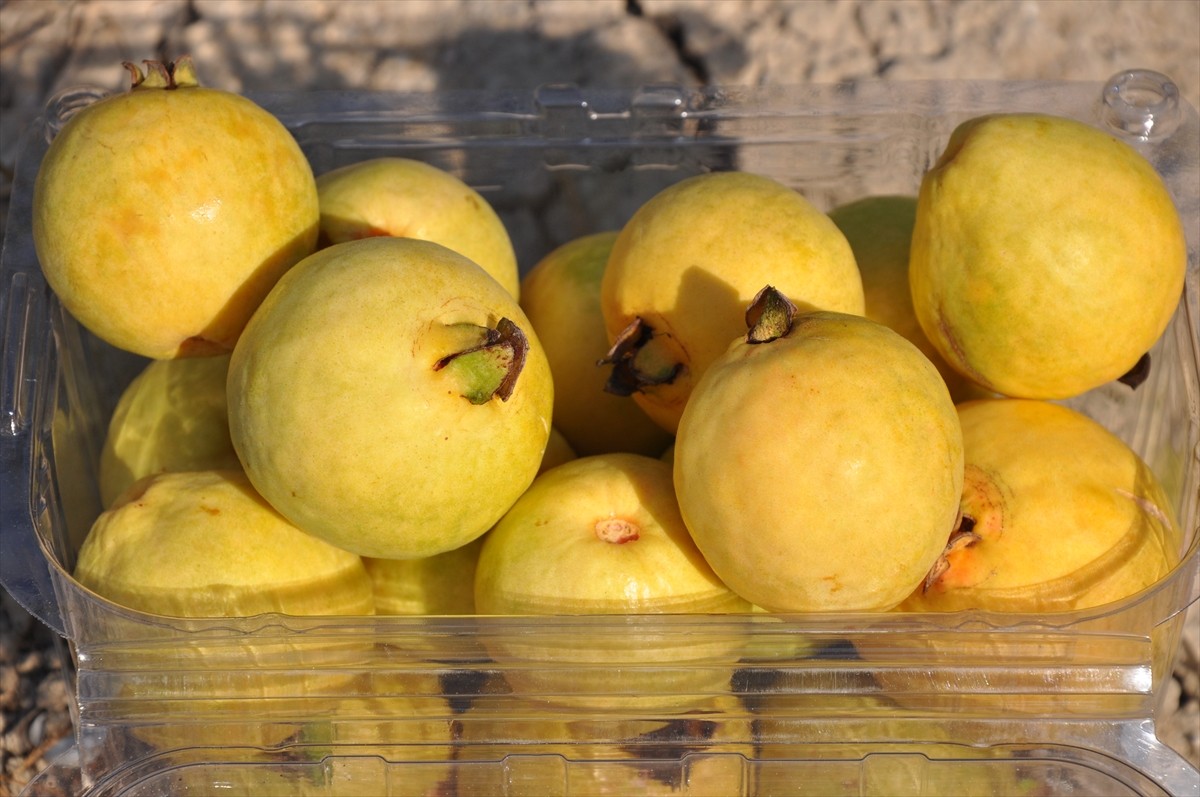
(390, 397)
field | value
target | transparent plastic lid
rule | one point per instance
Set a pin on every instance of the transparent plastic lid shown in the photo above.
(1057, 703)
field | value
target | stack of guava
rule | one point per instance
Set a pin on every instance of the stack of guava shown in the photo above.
(738, 401)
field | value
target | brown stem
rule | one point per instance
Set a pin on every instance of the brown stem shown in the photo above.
(1138, 373)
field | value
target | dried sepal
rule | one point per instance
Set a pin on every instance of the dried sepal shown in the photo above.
(632, 372)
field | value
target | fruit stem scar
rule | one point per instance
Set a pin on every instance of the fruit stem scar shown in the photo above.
(616, 530)
(490, 369)
(769, 317)
(632, 373)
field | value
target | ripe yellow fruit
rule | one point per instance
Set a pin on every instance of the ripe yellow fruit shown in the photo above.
(163, 216)
(561, 296)
(684, 267)
(412, 199)
(390, 397)
(1047, 255)
(1061, 514)
(204, 544)
(820, 467)
(172, 417)
(603, 535)
(598, 534)
(440, 584)
(879, 229)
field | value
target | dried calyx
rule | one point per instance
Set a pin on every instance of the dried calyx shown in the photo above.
(489, 369)
(963, 536)
(769, 317)
(636, 364)
(1137, 374)
(177, 74)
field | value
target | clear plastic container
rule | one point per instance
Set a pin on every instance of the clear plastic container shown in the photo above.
(758, 704)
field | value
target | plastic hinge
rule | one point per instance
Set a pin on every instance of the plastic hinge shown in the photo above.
(659, 100)
(563, 111)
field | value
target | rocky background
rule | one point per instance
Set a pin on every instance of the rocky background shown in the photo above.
(430, 45)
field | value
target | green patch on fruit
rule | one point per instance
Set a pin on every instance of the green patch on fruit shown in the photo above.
(490, 369)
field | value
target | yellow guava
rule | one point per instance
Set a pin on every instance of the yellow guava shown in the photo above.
(603, 535)
(879, 229)
(561, 296)
(1058, 514)
(819, 462)
(205, 544)
(171, 417)
(440, 584)
(684, 267)
(412, 199)
(390, 397)
(698, 750)
(163, 216)
(597, 535)
(1047, 255)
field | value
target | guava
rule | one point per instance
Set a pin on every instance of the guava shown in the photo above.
(397, 716)
(205, 544)
(597, 535)
(413, 199)
(309, 767)
(440, 584)
(561, 296)
(879, 229)
(171, 417)
(819, 462)
(1058, 513)
(699, 750)
(162, 216)
(1047, 255)
(390, 397)
(602, 535)
(689, 260)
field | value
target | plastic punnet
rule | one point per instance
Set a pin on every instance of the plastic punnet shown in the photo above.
(762, 704)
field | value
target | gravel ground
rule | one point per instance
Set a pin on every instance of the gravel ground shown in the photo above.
(426, 45)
